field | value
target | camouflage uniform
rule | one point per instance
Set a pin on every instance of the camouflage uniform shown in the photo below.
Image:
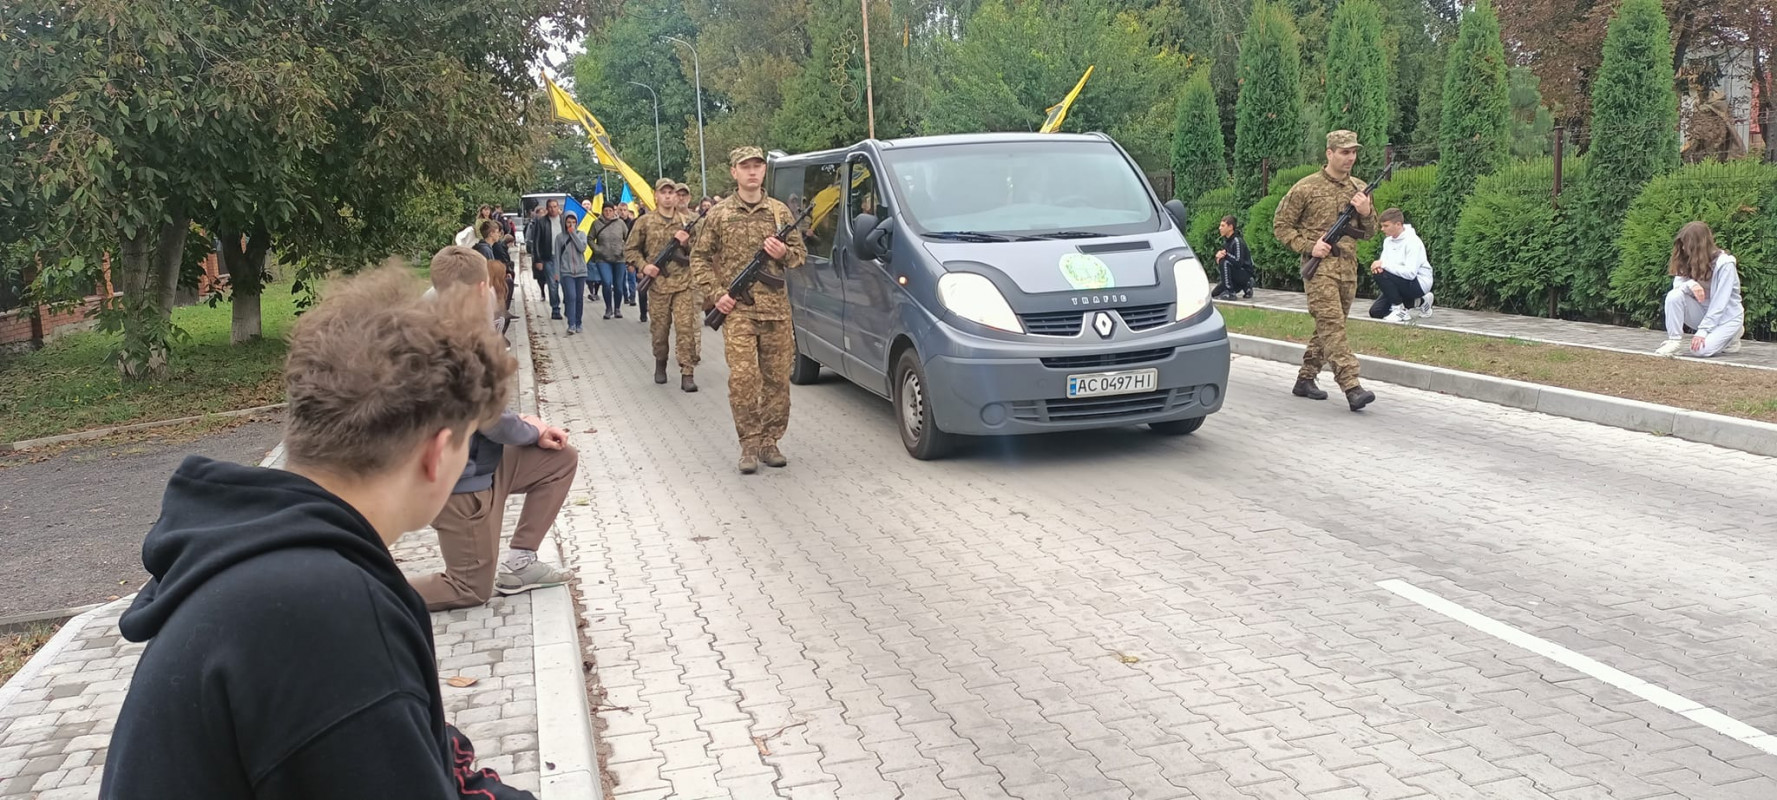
(1305, 215)
(673, 300)
(757, 339)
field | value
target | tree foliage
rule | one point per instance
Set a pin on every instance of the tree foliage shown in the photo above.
(1197, 148)
(1269, 127)
(1357, 80)
(632, 48)
(1473, 134)
(1634, 138)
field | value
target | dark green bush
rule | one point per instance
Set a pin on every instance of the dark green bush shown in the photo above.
(1408, 190)
(1268, 117)
(1474, 136)
(1198, 152)
(1511, 243)
(1275, 265)
(1734, 199)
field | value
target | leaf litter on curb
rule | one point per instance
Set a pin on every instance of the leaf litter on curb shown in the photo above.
(461, 681)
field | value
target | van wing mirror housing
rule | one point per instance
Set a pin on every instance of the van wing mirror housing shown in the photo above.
(1176, 208)
(869, 237)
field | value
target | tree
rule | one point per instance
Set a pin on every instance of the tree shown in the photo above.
(993, 80)
(1429, 116)
(824, 105)
(1269, 127)
(1197, 148)
(1357, 80)
(1634, 138)
(633, 47)
(1532, 122)
(1474, 135)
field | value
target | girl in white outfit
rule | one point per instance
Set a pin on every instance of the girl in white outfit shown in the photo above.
(1705, 296)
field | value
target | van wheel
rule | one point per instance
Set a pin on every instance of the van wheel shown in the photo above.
(1177, 427)
(804, 371)
(913, 412)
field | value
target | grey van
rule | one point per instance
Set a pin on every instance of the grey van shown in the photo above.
(1002, 283)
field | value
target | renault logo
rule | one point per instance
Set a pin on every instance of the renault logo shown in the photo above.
(1102, 323)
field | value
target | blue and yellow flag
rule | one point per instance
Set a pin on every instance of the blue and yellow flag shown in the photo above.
(568, 110)
(598, 196)
(1058, 112)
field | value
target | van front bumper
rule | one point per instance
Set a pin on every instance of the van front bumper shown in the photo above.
(997, 388)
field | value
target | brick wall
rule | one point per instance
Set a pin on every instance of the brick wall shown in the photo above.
(16, 326)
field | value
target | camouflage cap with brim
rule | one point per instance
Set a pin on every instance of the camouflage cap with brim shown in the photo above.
(746, 153)
(664, 183)
(682, 188)
(1339, 140)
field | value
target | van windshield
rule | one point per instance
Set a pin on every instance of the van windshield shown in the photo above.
(1024, 188)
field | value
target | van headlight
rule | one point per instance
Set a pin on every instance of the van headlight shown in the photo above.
(1193, 287)
(973, 297)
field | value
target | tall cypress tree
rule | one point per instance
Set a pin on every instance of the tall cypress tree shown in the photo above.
(1357, 80)
(1634, 139)
(1474, 137)
(1197, 147)
(1268, 113)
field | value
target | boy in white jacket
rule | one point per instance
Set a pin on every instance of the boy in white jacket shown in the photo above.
(1403, 273)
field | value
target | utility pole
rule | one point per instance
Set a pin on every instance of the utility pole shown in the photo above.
(703, 163)
(659, 171)
(869, 91)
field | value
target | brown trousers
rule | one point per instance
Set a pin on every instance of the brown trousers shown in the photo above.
(469, 526)
(760, 353)
(1330, 294)
(682, 311)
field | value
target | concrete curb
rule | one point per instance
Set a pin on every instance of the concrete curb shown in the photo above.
(1758, 438)
(566, 747)
(100, 433)
(16, 621)
(46, 654)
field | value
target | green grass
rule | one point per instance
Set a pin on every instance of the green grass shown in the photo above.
(70, 386)
(17, 646)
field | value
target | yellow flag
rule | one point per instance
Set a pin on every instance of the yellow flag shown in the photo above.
(567, 110)
(1058, 112)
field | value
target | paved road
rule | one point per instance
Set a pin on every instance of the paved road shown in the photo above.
(1124, 615)
(71, 526)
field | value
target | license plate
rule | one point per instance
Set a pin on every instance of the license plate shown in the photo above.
(1099, 384)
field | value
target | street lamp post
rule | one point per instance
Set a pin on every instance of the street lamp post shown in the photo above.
(703, 164)
(659, 171)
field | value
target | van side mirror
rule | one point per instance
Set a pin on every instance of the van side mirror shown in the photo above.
(1176, 208)
(869, 237)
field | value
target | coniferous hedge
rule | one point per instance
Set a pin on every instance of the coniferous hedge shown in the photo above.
(1357, 80)
(1268, 112)
(1197, 147)
(1474, 136)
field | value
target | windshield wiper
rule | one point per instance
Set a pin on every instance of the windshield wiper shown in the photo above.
(1067, 235)
(966, 236)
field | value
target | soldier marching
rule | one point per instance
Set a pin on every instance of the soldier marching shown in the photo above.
(758, 342)
(674, 302)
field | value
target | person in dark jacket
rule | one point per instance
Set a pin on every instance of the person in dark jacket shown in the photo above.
(287, 655)
(1235, 263)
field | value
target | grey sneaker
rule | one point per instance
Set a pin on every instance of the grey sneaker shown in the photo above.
(1733, 347)
(1425, 305)
(536, 575)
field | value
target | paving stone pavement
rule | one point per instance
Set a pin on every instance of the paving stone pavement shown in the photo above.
(1762, 355)
(1123, 615)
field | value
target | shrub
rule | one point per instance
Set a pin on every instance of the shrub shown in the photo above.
(1634, 139)
(1197, 148)
(1734, 199)
(1511, 243)
(1206, 213)
(1268, 112)
(1357, 80)
(1474, 136)
(1275, 265)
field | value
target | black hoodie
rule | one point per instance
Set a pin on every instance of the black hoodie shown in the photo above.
(289, 657)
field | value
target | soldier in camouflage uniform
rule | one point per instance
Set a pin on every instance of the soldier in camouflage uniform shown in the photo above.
(1304, 215)
(673, 299)
(757, 339)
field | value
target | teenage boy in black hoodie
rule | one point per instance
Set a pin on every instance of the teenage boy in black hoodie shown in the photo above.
(288, 657)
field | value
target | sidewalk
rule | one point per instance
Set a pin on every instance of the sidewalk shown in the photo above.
(1639, 341)
(526, 712)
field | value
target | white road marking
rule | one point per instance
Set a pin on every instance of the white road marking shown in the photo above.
(1679, 704)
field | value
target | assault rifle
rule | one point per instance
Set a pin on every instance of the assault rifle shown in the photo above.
(742, 287)
(1343, 223)
(669, 253)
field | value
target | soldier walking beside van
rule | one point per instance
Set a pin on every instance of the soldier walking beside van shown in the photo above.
(757, 339)
(1303, 217)
(672, 298)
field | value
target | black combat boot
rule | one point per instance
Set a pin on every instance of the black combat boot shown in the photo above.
(660, 370)
(687, 384)
(1306, 388)
(1359, 397)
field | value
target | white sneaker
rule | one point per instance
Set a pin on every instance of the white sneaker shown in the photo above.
(1425, 305)
(1733, 347)
(1399, 316)
(1670, 349)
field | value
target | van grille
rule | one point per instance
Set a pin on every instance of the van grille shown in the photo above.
(1141, 318)
(1054, 323)
(1091, 409)
(1108, 359)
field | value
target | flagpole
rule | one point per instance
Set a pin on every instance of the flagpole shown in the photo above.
(869, 91)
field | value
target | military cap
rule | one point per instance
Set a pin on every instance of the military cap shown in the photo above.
(744, 153)
(663, 183)
(1339, 140)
